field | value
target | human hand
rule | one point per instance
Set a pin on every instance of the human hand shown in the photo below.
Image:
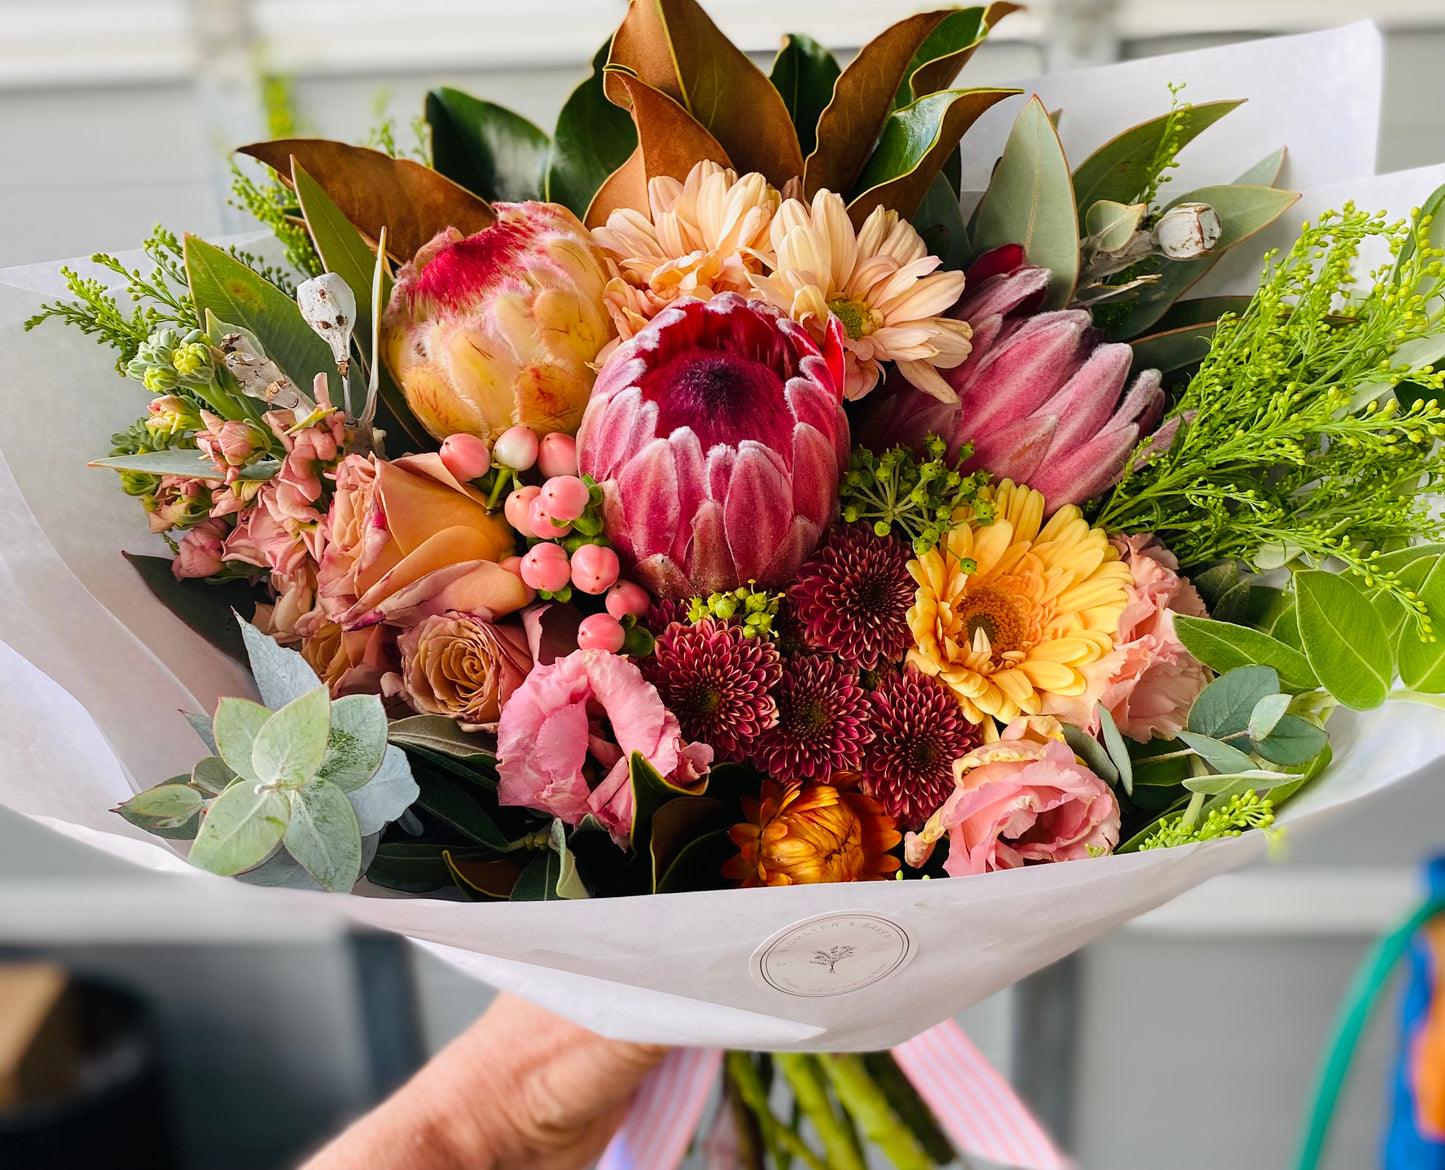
(521, 1089)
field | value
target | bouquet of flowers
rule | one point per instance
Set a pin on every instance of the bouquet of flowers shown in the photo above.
(717, 493)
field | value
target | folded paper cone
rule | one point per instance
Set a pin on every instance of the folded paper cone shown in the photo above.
(94, 674)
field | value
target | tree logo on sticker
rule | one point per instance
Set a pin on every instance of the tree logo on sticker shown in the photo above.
(832, 954)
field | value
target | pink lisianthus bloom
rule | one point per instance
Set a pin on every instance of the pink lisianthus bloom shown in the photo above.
(568, 732)
(1153, 680)
(199, 552)
(228, 443)
(1024, 798)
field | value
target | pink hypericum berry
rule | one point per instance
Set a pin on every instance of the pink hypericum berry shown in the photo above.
(600, 631)
(565, 497)
(540, 521)
(513, 565)
(557, 454)
(625, 598)
(545, 567)
(465, 456)
(594, 568)
(517, 506)
(516, 447)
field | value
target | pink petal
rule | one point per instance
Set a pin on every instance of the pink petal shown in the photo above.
(648, 487)
(758, 509)
(815, 475)
(1019, 376)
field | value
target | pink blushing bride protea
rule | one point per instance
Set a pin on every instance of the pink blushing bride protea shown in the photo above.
(497, 329)
(718, 437)
(1041, 397)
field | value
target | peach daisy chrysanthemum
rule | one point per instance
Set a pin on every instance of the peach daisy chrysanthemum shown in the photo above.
(1019, 633)
(880, 282)
(704, 236)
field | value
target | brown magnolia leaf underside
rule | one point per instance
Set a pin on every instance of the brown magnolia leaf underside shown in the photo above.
(672, 141)
(624, 187)
(375, 191)
(862, 97)
(940, 73)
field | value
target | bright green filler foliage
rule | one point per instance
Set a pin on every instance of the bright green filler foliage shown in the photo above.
(914, 499)
(1246, 810)
(755, 609)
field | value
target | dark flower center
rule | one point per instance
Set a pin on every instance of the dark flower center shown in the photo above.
(724, 396)
(809, 716)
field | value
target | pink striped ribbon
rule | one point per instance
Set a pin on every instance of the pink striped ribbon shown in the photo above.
(975, 1105)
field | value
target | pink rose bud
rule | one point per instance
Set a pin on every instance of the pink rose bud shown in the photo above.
(625, 598)
(600, 631)
(545, 567)
(465, 456)
(540, 521)
(557, 454)
(516, 447)
(594, 568)
(517, 506)
(565, 497)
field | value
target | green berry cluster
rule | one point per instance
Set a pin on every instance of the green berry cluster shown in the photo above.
(755, 609)
(916, 499)
(1247, 810)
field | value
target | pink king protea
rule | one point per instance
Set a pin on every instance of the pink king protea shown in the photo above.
(718, 437)
(1041, 397)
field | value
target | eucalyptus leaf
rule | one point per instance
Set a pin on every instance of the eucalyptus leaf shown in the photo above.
(1223, 647)
(241, 828)
(1111, 225)
(485, 147)
(1227, 784)
(1225, 705)
(387, 795)
(184, 461)
(593, 138)
(281, 674)
(569, 882)
(237, 723)
(169, 810)
(804, 72)
(437, 733)
(1266, 716)
(1292, 741)
(939, 221)
(1222, 757)
(1215, 581)
(212, 775)
(1118, 751)
(1344, 639)
(356, 743)
(1264, 173)
(290, 746)
(324, 837)
(1092, 752)
(1030, 202)
(1248, 604)
(201, 725)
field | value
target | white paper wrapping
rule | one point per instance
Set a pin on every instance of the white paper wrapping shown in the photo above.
(93, 673)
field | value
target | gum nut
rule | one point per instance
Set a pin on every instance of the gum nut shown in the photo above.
(565, 497)
(601, 631)
(594, 568)
(545, 567)
(540, 521)
(466, 456)
(517, 506)
(625, 598)
(557, 455)
(516, 447)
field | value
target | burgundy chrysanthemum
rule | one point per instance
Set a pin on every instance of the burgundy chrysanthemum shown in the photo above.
(852, 597)
(716, 682)
(822, 722)
(662, 613)
(918, 731)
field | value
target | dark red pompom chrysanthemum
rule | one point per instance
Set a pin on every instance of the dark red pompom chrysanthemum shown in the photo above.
(852, 597)
(822, 722)
(661, 614)
(717, 683)
(918, 731)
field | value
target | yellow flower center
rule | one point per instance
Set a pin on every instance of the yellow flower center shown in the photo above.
(857, 317)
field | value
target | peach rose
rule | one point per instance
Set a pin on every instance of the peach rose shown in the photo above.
(463, 667)
(349, 662)
(1025, 798)
(405, 539)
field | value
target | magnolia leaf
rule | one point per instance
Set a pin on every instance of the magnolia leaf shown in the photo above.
(1225, 705)
(487, 875)
(1266, 172)
(241, 828)
(237, 723)
(698, 865)
(438, 733)
(1422, 664)
(671, 140)
(862, 100)
(410, 867)
(1092, 752)
(947, 49)
(915, 143)
(323, 836)
(170, 810)
(281, 674)
(569, 881)
(680, 821)
(290, 746)
(201, 725)
(212, 775)
(1111, 225)
(184, 461)
(1030, 202)
(650, 791)
(341, 248)
(539, 881)
(1222, 647)
(462, 808)
(375, 191)
(1266, 716)
(1291, 741)
(1117, 749)
(207, 607)
(488, 149)
(222, 285)
(804, 72)
(1222, 757)
(624, 187)
(1344, 639)
(1119, 170)
(1229, 783)
(387, 795)
(356, 743)
(593, 138)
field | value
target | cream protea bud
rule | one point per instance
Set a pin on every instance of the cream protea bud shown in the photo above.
(497, 329)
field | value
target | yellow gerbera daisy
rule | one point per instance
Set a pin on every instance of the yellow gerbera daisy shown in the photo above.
(1016, 635)
(880, 282)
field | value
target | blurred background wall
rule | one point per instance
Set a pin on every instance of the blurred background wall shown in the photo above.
(1186, 1040)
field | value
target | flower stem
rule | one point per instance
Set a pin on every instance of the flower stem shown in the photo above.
(866, 1102)
(780, 1140)
(810, 1088)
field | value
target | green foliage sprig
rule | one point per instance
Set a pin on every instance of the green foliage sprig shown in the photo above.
(897, 492)
(1166, 153)
(755, 609)
(1247, 810)
(1284, 450)
(273, 205)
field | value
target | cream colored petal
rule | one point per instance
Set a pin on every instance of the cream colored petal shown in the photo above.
(927, 379)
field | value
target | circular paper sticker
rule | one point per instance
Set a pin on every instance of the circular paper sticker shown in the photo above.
(832, 954)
